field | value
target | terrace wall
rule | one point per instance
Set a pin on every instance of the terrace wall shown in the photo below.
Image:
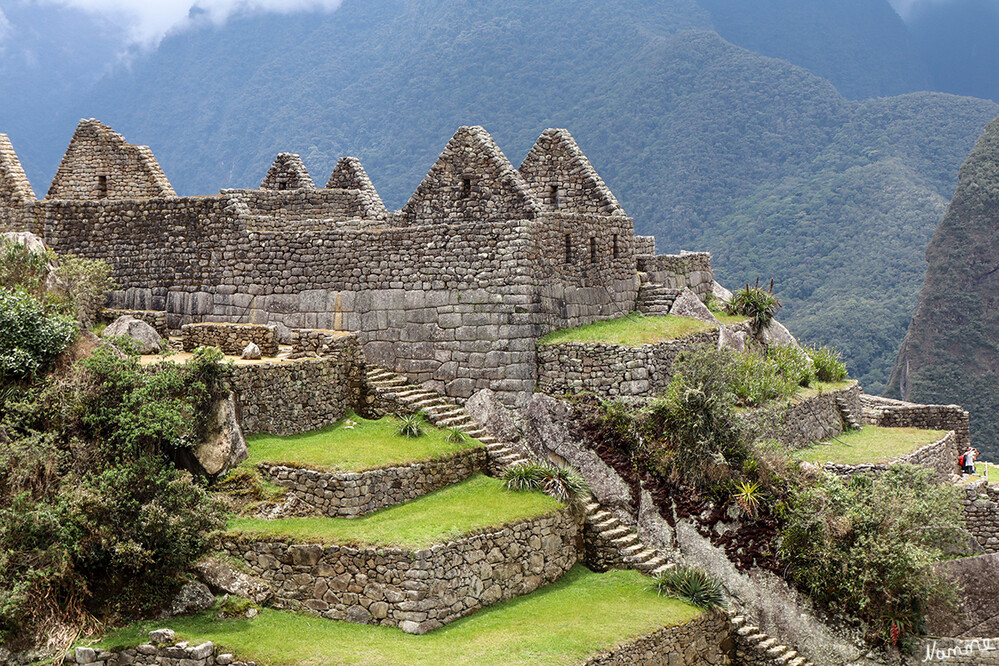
(704, 641)
(980, 502)
(349, 495)
(898, 414)
(940, 456)
(798, 424)
(230, 338)
(416, 590)
(676, 271)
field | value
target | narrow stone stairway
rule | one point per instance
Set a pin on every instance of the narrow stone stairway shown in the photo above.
(760, 646)
(655, 299)
(443, 413)
(617, 545)
(849, 418)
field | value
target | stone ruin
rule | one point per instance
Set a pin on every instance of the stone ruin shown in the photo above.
(453, 290)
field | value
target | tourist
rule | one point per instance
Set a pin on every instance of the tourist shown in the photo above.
(969, 460)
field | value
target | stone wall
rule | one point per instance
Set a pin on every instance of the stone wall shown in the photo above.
(156, 653)
(15, 192)
(289, 397)
(676, 271)
(155, 318)
(799, 423)
(704, 641)
(422, 590)
(352, 494)
(977, 611)
(955, 652)
(981, 514)
(318, 341)
(612, 371)
(898, 414)
(940, 456)
(230, 338)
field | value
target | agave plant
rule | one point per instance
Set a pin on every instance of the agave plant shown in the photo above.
(455, 436)
(692, 585)
(410, 425)
(749, 496)
(563, 483)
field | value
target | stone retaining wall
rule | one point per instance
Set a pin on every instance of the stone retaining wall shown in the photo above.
(704, 641)
(800, 423)
(318, 341)
(230, 338)
(955, 652)
(148, 654)
(898, 414)
(348, 495)
(981, 514)
(612, 371)
(155, 318)
(289, 397)
(676, 271)
(940, 456)
(416, 590)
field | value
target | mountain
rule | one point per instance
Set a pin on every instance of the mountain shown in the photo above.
(951, 351)
(708, 145)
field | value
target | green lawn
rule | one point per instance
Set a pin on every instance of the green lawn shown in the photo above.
(871, 444)
(366, 445)
(563, 623)
(818, 388)
(469, 506)
(634, 330)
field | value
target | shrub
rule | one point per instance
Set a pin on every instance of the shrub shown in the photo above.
(23, 269)
(30, 337)
(793, 363)
(692, 585)
(828, 365)
(563, 483)
(410, 425)
(759, 304)
(748, 496)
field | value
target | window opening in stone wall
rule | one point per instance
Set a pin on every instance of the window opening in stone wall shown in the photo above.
(616, 250)
(568, 248)
(102, 187)
(466, 187)
(554, 197)
(593, 250)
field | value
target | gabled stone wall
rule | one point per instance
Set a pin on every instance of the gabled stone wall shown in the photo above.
(15, 192)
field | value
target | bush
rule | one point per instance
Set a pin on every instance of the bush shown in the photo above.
(792, 363)
(563, 483)
(759, 304)
(30, 337)
(827, 363)
(692, 585)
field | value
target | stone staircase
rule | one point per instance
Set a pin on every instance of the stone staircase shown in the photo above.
(757, 648)
(442, 412)
(655, 299)
(849, 418)
(610, 543)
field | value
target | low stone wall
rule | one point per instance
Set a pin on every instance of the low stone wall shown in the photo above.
(977, 611)
(171, 654)
(416, 590)
(155, 318)
(289, 397)
(940, 456)
(348, 495)
(317, 341)
(688, 269)
(955, 652)
(702, 641)
(230, 338)
(981, 514)
(612, 371)
(897, 414)
(800, 423)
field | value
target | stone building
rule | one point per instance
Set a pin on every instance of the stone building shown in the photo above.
(453, 289)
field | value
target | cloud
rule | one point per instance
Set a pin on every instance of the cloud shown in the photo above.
(146, 22)
(4, 25)
(906, 7)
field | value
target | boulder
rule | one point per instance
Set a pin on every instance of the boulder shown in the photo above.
(687, 304)
(775, 333)
(194, 597)
(221, 577)
(720, 293)
(251, 352)
(977, 611)
(487, 410)
(732, 338)
(162, 636)
(224, 446)
(551, 429)
(147, 340)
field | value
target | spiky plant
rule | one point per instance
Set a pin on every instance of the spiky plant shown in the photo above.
(749, 496)
(692, 585)
(757, 303)
(563, 483)
(410, 425)
(455, 436)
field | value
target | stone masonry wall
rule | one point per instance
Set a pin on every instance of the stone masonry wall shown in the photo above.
(898, 414)
(676, 271)
(149, 654)
(955, 652)
(612, 371)
(800, 423)
(289, 397)
(15, 192)
(940, 456)
(422, 590)
(230, 338)
(981, 514)
(352, 494)
(704, 641)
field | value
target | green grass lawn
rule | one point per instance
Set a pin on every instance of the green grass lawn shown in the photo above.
(818, 388)
(634, 330)
(469, 506)
(871, 444)
(367, 445)
(562, 623)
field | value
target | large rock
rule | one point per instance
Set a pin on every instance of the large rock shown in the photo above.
(776, 334)
(35, 245)
(687, 304)
(486, 409)
(146, 338)
(193, 598)
(251, 352)
(224, 446)
(720, 293)
(221, 577)
(977, 612)
(732, 338)
(550, 427)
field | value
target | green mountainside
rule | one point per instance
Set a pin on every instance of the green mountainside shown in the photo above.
(951, 351)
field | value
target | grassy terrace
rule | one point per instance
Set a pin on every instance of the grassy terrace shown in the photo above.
(470, 506)
(562, 623)
(366, 445)
(871, 444)
(634, 330)
(817, 388)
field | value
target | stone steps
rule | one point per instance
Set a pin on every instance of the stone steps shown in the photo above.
(765, 648)
(849, 418)
(631, 552)
(655, 299)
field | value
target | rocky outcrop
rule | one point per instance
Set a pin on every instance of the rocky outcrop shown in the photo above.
(223, 578)
(977, 612)
(487, 410)
(147, 340)
(224, 446)
(687, 304)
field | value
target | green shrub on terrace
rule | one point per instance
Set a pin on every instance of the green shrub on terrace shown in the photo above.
(563, 483)
(411, 425)
(828, 365)
(30, 336)
(793, 364)
(692, 585)
(759, 304)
